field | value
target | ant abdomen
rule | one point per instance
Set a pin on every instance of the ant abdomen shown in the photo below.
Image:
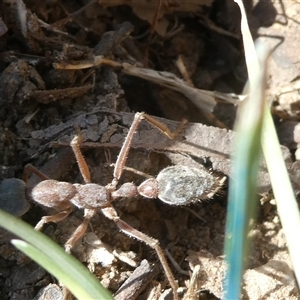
(181, 185)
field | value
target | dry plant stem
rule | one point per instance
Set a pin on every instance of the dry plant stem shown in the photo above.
(195, 214)
(72, 15)
(181, 67)
(152, 28)
(210, 117)
(194, 287)
(85, 64)
(201, 98)
(175, 264)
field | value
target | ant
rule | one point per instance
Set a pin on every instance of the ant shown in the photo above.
(175, 185)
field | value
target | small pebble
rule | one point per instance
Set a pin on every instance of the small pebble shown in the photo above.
(13, 197)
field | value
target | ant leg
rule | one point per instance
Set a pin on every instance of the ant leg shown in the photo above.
(54, 218)
(81, 229)
(83, 167)
(140, 173)
(111, 214)
(31, 169)
(120, 163)
(164, 129)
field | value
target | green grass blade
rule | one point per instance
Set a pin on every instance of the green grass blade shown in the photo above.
(287, 206)
(56, 261)
(243, 186)
(286, 203)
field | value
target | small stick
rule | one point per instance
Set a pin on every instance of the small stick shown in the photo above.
(137, 281)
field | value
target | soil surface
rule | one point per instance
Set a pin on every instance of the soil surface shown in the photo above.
(54, 80)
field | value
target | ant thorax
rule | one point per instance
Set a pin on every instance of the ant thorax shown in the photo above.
(182, 185)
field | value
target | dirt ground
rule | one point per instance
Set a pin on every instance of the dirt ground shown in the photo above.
(42, 101)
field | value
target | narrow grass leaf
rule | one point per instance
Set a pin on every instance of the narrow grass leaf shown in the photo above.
(287, 206)
(63, 266)
(243, 186)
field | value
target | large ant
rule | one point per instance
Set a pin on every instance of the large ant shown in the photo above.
(175, 185)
